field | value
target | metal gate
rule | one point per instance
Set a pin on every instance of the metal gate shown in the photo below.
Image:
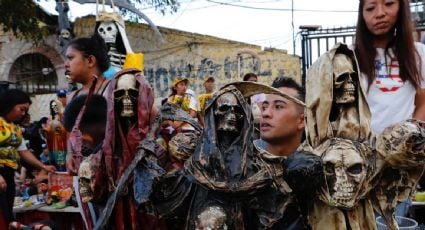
(316, 41)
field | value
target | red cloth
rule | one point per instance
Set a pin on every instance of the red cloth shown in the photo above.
(119, 150)
(3, 224)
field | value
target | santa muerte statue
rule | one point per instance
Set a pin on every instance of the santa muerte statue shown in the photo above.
(227, 183)
(130, 109)
(362, 172)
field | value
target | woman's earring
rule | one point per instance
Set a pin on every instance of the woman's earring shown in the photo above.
(395, 31)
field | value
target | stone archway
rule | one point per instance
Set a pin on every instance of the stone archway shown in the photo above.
(34, 73)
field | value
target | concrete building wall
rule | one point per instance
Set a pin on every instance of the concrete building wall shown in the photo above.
(191, 55)
(196, 56)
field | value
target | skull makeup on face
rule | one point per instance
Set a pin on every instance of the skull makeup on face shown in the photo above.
(86, 180)
(108, 30)
(212, 218)
(345, 171)
(125, 95)
(344, 86)
(228, 113)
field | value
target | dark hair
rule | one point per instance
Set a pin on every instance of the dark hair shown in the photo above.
(96, 46)
(289, 83)
(249, 75)
(43, 120)
(95, 114)
(11, 97)
(403, 43)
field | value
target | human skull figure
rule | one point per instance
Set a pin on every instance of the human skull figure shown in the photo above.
(108, 30)
(86, 180)
(344, 86)
(345, 171)
(65, 34)
(228, 113)
(54, 107)
(211, 218)
(126, 94)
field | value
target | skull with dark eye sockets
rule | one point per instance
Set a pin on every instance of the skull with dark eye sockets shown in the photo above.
(345, 171)
(126, 95)
(228, 113)
(108, 31)
(344, 85)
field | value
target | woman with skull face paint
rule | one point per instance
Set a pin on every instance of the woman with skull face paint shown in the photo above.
(391, 62)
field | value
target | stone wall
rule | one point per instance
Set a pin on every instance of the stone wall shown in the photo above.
(196, 56)
(191, 55)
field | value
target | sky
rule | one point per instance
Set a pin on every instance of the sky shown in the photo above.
(267, 23)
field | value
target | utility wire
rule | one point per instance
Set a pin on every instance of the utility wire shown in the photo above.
(283, 9)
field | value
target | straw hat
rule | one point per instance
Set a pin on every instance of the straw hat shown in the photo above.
(180, 79)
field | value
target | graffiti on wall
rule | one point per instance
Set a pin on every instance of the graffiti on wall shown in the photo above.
(231, 69)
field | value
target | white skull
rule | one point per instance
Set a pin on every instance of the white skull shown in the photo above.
(54, 107)
(126, 94)
(345, 171)
(211, 218)
(65, 34)
(228, 113)
(344, 86)
(86, 180)
(108, 31)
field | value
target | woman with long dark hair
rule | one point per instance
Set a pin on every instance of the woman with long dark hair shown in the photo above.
(86, 59)
(14, 104)
(390, 61)
(392, 65)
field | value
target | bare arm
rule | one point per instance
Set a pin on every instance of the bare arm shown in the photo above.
(419, 105)
(28, 157)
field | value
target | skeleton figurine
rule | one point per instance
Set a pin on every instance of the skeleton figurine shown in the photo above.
(361, 172)
(125, 96)
(334, 85)
(111, 27)
(212, 217)
(56, 137)
(64, 29)
(130, 102)
(348, 169)
(225, 184)
(86, 176)
(346, 125)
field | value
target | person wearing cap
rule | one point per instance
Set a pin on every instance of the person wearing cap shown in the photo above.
(209, 84)
(185, 101)
(61, 94)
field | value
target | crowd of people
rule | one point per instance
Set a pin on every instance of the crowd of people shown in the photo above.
(84, 124)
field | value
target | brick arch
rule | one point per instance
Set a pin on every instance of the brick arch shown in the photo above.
(34, 73)
(49, 49)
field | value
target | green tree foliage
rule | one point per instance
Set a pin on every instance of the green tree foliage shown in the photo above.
(23, 18)
(26, 20)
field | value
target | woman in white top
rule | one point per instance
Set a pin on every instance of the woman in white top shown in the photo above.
(392, 65)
